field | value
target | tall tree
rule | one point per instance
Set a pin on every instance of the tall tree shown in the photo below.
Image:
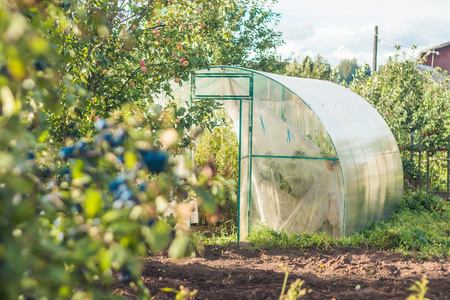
(317, 69)
(127, 51)
(347, 69)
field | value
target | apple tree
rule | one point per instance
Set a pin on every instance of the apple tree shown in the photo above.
(86, 173)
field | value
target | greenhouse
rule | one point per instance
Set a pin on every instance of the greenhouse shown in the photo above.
(313, 155)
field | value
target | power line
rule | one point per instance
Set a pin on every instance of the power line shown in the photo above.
(393, 42)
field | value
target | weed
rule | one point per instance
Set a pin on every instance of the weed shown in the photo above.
(183, 294)
(227, 236)
(420, 289)
(295, 290)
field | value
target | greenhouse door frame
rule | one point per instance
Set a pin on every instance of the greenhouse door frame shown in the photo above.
(243, 99)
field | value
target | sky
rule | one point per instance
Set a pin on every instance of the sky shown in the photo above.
(340, 29)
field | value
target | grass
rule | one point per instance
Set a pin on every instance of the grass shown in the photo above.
(419, 227)
(227, 235)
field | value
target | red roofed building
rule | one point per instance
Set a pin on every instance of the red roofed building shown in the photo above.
(437, 56)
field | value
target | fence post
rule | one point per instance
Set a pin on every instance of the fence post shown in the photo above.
(428, 171)
(448, 168)
(420, 170)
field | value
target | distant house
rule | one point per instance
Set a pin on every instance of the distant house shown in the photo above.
(437, 56)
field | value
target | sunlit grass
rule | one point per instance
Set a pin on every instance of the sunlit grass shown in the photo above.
(226, 236)
(419, 227)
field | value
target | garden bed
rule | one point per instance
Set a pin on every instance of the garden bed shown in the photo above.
(236, 272)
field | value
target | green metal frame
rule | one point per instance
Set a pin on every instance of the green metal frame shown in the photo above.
(297, 157)
(250, 153)
(239, 98)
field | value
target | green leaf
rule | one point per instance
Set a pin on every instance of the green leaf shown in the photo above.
(208, 202)
(130, 160)
(93, 203)
(158, 236)
(43, 137)
(178, 246)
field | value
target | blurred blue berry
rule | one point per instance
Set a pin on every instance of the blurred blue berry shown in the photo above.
(100, 124)
(66, 152)
(31, 155)
(119, 180)
(156, 161)
(124, 276)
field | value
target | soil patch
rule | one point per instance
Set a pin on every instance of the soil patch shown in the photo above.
(233, 272)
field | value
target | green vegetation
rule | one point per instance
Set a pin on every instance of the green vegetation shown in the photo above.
(307, 68)
(349, 68)
(418, 227)
(415, 105)
(86, 169)
(420, 289)
(295, 290)
(218, 148)
(224, 236)
(86, 158)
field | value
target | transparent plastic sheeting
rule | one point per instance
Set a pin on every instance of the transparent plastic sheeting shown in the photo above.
(336, 165)
(286, 193)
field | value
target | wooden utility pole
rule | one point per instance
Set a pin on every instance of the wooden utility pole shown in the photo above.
(375, 48)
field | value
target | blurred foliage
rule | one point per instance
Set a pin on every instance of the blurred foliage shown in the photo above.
(87, 167)
(419, 289)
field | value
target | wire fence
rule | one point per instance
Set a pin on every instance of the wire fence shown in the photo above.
(428, 172)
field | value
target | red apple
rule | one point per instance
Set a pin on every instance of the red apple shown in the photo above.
(132, 83)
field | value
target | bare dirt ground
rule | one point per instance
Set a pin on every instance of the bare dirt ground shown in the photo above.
(234, 272)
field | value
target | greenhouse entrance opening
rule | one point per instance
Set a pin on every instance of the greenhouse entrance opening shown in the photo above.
(313, 156)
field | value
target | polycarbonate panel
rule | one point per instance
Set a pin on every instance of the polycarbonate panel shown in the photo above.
(213, 87)
(297, 117)
(363, 141)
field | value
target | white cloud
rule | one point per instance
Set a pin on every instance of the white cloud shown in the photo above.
(345, 29)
